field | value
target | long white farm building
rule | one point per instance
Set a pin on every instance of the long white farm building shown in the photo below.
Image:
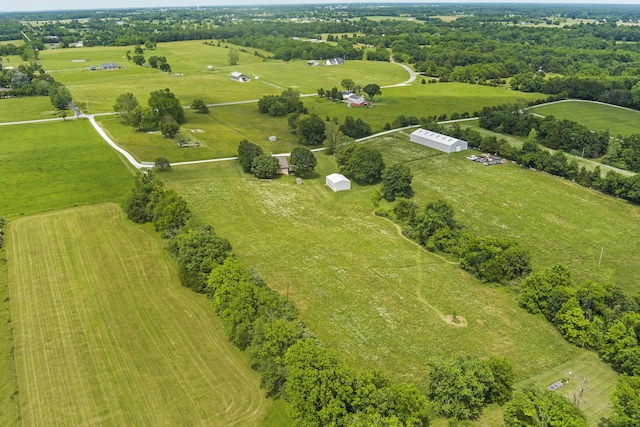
(438, 141)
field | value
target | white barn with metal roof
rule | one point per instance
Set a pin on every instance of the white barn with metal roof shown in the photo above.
(338, 182)
(438, 141)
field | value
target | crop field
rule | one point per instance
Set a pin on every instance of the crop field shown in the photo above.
(48, 166)
(27, 108)
(105, 334)
(362, 288)
(598, 117)
(192, 59)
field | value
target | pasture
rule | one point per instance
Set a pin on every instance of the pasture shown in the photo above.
(362, 288)
(105, 334)
(598, 117)
(192, 59)
(225, 126)
(556, 219)
(49, 166)
(26, 108)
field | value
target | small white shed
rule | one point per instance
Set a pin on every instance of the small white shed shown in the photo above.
(438, 141)
(338, 182)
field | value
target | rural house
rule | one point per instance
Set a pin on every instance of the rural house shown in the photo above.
(438, 141)
(357, 101)
(239, 77)
(109, 66)
(335, 61)
(338, 182)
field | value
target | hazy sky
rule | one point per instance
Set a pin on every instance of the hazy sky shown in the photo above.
(31, 5)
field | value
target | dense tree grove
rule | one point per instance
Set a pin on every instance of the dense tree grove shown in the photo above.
(459, 387)
(490, 259)
(302, 161)
(164, 112)
(279, 105)
(360, 162)
(320, 387)
(3, 224)
(535, 407)
(396, 182)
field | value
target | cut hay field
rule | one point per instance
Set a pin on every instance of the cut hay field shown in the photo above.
(105, 334)
(192, 58)
(27, 108)
(361, 287)
(224, 127)
(598, 117)
(49, 166)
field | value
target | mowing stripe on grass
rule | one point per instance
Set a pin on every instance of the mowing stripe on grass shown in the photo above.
(104, 334)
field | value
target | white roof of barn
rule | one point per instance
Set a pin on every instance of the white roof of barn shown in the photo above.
(336, 177)
(434, 136)
(236, 74)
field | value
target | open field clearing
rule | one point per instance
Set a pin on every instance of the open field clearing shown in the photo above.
(105, 334)
(558, 220)
(361, 287)
(192, 59)
(27, 108)
(48, 166)
(598, 117)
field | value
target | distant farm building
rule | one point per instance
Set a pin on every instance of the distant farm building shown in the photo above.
(273, 138)
(313, 63)
(239, 77)
(438, 141)
(357, 101)
(335, 61)
(109, 66)
(338, 182)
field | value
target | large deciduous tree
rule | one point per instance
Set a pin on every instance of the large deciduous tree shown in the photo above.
(534, 407)
(264, 166)
(372, 90)
(363, 164)
(234, 57)
(396, 182)
(125, 104)
(311, 130)
(303, 161)
(164, 103)
(626, 402)
(247, 151)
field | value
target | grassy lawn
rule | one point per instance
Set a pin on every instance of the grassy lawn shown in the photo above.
(105, 335)
(192, 59)
(49, 166)
(27, 108)
(361, 287)
(596, 117)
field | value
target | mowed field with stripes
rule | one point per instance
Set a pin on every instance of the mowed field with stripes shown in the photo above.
(105, 335)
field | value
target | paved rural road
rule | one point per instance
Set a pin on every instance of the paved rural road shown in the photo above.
(412, 75)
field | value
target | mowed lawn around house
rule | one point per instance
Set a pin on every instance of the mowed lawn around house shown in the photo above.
(361, 287)
(49, 166)
(595, 116)
(191, 77)
(27, 108)
(105, 334)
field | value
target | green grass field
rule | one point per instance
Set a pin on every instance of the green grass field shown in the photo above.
(105, 334)
(192, 58)
(27, 108)
(49, 166)
(224, 127)
(361, 287)
(598, 117)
